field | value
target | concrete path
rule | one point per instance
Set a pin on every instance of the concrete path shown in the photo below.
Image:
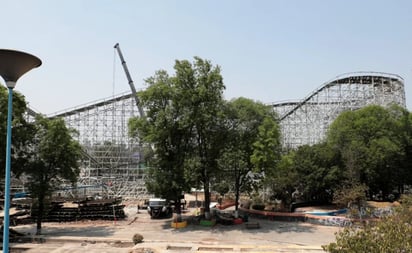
(102, 236)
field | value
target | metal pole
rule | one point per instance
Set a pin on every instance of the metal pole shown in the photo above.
(7, 179)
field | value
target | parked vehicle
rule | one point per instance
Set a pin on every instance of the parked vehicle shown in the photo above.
(159, 208)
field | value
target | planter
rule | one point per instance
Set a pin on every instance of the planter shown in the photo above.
(181, 224)
(238, 221)
(207, 223)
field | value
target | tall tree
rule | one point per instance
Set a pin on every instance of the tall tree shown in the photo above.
(202, 84)
(183, 123)
(252, 144)
(267, 148)
(53, 159)
(165, 130)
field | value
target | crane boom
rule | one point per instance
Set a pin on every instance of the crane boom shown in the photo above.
(129, 79)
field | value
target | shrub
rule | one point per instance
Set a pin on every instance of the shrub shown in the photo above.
(259, 207)
(137, 238)
(390, 234)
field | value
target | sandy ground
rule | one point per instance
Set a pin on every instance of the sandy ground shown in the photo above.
(159, 236)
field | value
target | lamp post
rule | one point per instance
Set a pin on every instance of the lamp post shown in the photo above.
(13, 64)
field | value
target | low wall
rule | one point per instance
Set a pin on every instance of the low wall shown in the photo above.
(275, 216)
(339, 221)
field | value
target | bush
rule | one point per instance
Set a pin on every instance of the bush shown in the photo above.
(259, 207)
(390, 234)
(137, 238)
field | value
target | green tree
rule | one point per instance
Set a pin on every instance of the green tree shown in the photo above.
(53, 159)
(403, 161)
(184, 125)
(318, 172)
(369, 145)
(22, 131)
(284, 181)
(389, 234)
(202, 83)
(309, 173)
(167, 131)
(252, 136)
(266, 148)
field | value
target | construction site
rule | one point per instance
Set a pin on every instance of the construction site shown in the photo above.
(111, 184)
(112, 165)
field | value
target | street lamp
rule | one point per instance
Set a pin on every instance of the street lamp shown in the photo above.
(13, 64)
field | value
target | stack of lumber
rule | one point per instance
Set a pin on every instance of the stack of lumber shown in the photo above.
(85, 209)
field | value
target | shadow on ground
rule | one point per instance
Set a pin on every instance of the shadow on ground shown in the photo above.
(266, 226)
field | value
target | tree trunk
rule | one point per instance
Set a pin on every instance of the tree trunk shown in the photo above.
(178, 209)
(237, 203)
(237, 193)
(207, 200)
(39, 214)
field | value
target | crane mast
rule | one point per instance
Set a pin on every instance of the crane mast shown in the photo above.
(129, 79)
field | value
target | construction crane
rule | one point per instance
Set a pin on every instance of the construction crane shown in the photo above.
(129, 79)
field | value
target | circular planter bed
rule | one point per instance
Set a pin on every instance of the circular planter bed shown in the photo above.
(207, 223)
(181, 224)
(237, 221)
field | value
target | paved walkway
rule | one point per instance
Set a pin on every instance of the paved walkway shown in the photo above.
(98, 236)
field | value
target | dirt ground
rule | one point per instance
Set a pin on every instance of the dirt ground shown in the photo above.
(159, 236)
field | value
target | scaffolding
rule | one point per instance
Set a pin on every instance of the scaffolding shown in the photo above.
(111, 163)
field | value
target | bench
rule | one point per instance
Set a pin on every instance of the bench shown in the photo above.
(250, 225)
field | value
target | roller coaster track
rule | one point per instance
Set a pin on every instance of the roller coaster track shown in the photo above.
(306, 121)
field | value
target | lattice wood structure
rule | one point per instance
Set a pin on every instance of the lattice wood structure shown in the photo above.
(307, 121)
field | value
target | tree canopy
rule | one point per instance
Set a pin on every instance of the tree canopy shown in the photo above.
(43, 151)
(184, 125)
(252, 144)
(22, 131)
(197, 136)
(53, 160)
(373, 143)
(370, 147)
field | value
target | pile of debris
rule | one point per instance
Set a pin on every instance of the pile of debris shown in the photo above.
(86, 209)
(24, 211)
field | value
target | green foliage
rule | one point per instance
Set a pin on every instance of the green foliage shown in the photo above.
(306, 174)
(252, 135)
(22, 131)
(266, 152)
(44, 151)
(284, 180)
(370, 146)
(390, 234)
(183, 124)
(53, 157)
(349, 195)
(222, 187)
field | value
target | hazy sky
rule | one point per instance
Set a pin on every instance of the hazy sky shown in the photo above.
(268, 50)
